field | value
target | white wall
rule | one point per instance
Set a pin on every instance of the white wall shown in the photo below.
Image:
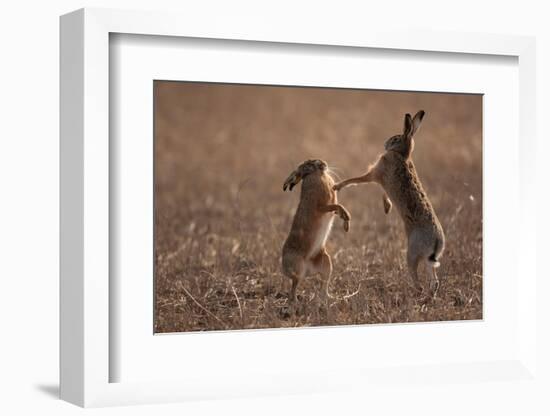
(29, 180)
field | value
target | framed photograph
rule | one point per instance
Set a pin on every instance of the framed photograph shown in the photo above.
(269, 212)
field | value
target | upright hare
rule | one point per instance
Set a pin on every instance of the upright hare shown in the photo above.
(304, 250)
(395, 172)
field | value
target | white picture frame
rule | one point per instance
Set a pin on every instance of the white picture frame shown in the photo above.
(85, 353)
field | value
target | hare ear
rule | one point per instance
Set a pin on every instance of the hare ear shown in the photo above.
(416, 121)
(408, 127)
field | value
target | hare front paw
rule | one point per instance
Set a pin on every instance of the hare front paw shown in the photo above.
(346, 217)
(346, 226)
(387, 205)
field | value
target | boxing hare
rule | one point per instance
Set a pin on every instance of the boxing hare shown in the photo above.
(396, 173)
(304, 250)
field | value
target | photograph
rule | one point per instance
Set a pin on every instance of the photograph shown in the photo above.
(293, 207)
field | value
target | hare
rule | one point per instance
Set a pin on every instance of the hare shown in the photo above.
(396, 173)
(304, 250)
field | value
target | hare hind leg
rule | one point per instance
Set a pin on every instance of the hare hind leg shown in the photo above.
(322, 264)
(420, 246)
(413, 259)
(294, 267)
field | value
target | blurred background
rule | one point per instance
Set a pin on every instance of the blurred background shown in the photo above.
(222, 153)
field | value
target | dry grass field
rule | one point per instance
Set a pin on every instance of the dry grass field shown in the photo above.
(222, 153)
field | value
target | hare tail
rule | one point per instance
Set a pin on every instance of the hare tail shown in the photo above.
(433, 257)
(435, 264)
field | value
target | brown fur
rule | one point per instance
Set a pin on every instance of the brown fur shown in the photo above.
(304, 250)
(396, 173)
